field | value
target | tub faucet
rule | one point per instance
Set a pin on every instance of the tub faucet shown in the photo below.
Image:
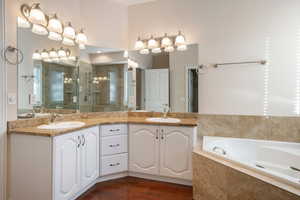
(166, 110)
(220, 149)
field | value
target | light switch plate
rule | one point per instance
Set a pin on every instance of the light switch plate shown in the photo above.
(12, 98)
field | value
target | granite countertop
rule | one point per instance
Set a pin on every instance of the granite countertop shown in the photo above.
(33, 130)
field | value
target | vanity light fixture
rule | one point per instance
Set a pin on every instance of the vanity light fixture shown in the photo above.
(55, 28)
(81, 38)
(166, 43)
(156, 50)
(23, 23)
(39, 29)
(36, 55)
(152, 43)
(169, 49)
(180, 39)
(144, 51)
(42, 24)
(53, 54)
(182, 47)
(139, 44)
(44, 54)
(69, 31)
(62, 53)
(68, 42)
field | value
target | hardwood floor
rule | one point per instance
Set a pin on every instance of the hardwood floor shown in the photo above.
(131, 188)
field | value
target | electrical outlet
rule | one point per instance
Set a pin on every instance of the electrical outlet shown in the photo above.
(12, 98)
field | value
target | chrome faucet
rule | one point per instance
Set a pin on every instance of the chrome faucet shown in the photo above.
(53, 117)
(166, 110)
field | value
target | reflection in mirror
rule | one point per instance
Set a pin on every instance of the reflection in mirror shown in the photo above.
(47, 78)
(164, 80)
(103, 80)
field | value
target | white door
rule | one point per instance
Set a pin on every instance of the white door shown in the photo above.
(90, 155)
(157, 89)
(176, 145)
(144, 149)
(66, 165)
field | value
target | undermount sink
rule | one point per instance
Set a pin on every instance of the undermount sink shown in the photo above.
(163, 120)
(62, 125)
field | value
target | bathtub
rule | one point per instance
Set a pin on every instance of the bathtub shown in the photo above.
(280, 160)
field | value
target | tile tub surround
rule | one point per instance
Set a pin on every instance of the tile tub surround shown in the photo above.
(252, 127)
(217, 179)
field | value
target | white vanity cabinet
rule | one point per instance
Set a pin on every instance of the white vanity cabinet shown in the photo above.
(53, 168)
(114, 149)
(161, 150)
(75, 161)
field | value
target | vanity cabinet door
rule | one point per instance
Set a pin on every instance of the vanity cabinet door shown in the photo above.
(144, 149)
(90, 155)
(66, 165)
(176, 145)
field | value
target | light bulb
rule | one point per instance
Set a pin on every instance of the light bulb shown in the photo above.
(55, 36)
(81, 38)
(55, 25)
(139, 44)
(62, 53)
(44, 54)
(156, 50)
(37, 16)
(23, 23)
(144, 51)
(152, 43)
(182, 47)
(36, 55)
(166, 41)
(179, 40)
(81, 46)
(169, 49)
(69, 31)
(39, 29)
(53, 53)
(69, 42)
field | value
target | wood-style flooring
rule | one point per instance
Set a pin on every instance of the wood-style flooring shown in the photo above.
(131, 188)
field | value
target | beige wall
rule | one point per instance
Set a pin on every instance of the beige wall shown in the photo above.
(230, 31)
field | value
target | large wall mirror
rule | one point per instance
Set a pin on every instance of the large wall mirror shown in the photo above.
(65, 79)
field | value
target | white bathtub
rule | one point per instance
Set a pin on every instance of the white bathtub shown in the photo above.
(280, 160)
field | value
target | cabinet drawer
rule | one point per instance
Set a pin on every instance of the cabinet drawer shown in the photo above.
(114, 144)
(114, 164)
(115, 129)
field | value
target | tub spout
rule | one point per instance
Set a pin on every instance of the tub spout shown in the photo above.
(220, 149)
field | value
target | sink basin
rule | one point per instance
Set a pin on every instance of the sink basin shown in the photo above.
(62, 125)
(161, 119)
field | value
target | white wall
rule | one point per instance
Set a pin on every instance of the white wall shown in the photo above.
(233, 30)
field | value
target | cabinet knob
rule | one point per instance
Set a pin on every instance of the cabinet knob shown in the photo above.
(113, 165)
(114, 145)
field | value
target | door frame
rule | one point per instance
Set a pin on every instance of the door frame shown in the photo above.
(187, 69)
(3, 111)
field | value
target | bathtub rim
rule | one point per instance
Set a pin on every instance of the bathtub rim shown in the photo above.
(248, 170)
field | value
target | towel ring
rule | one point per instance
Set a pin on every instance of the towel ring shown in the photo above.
(11, 49)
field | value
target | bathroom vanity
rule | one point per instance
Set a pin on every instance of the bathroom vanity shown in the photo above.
(63, 164)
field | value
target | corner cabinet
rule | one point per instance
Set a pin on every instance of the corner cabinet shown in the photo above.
(161, 150)
(75, 162)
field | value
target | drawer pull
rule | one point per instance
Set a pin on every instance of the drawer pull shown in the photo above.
(113, 165)
(114, 145)
(113, 130)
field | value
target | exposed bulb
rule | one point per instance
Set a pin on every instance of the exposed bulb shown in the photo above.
(39, 29)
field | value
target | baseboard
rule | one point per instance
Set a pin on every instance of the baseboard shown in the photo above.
(112, 177)
(161, 178)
